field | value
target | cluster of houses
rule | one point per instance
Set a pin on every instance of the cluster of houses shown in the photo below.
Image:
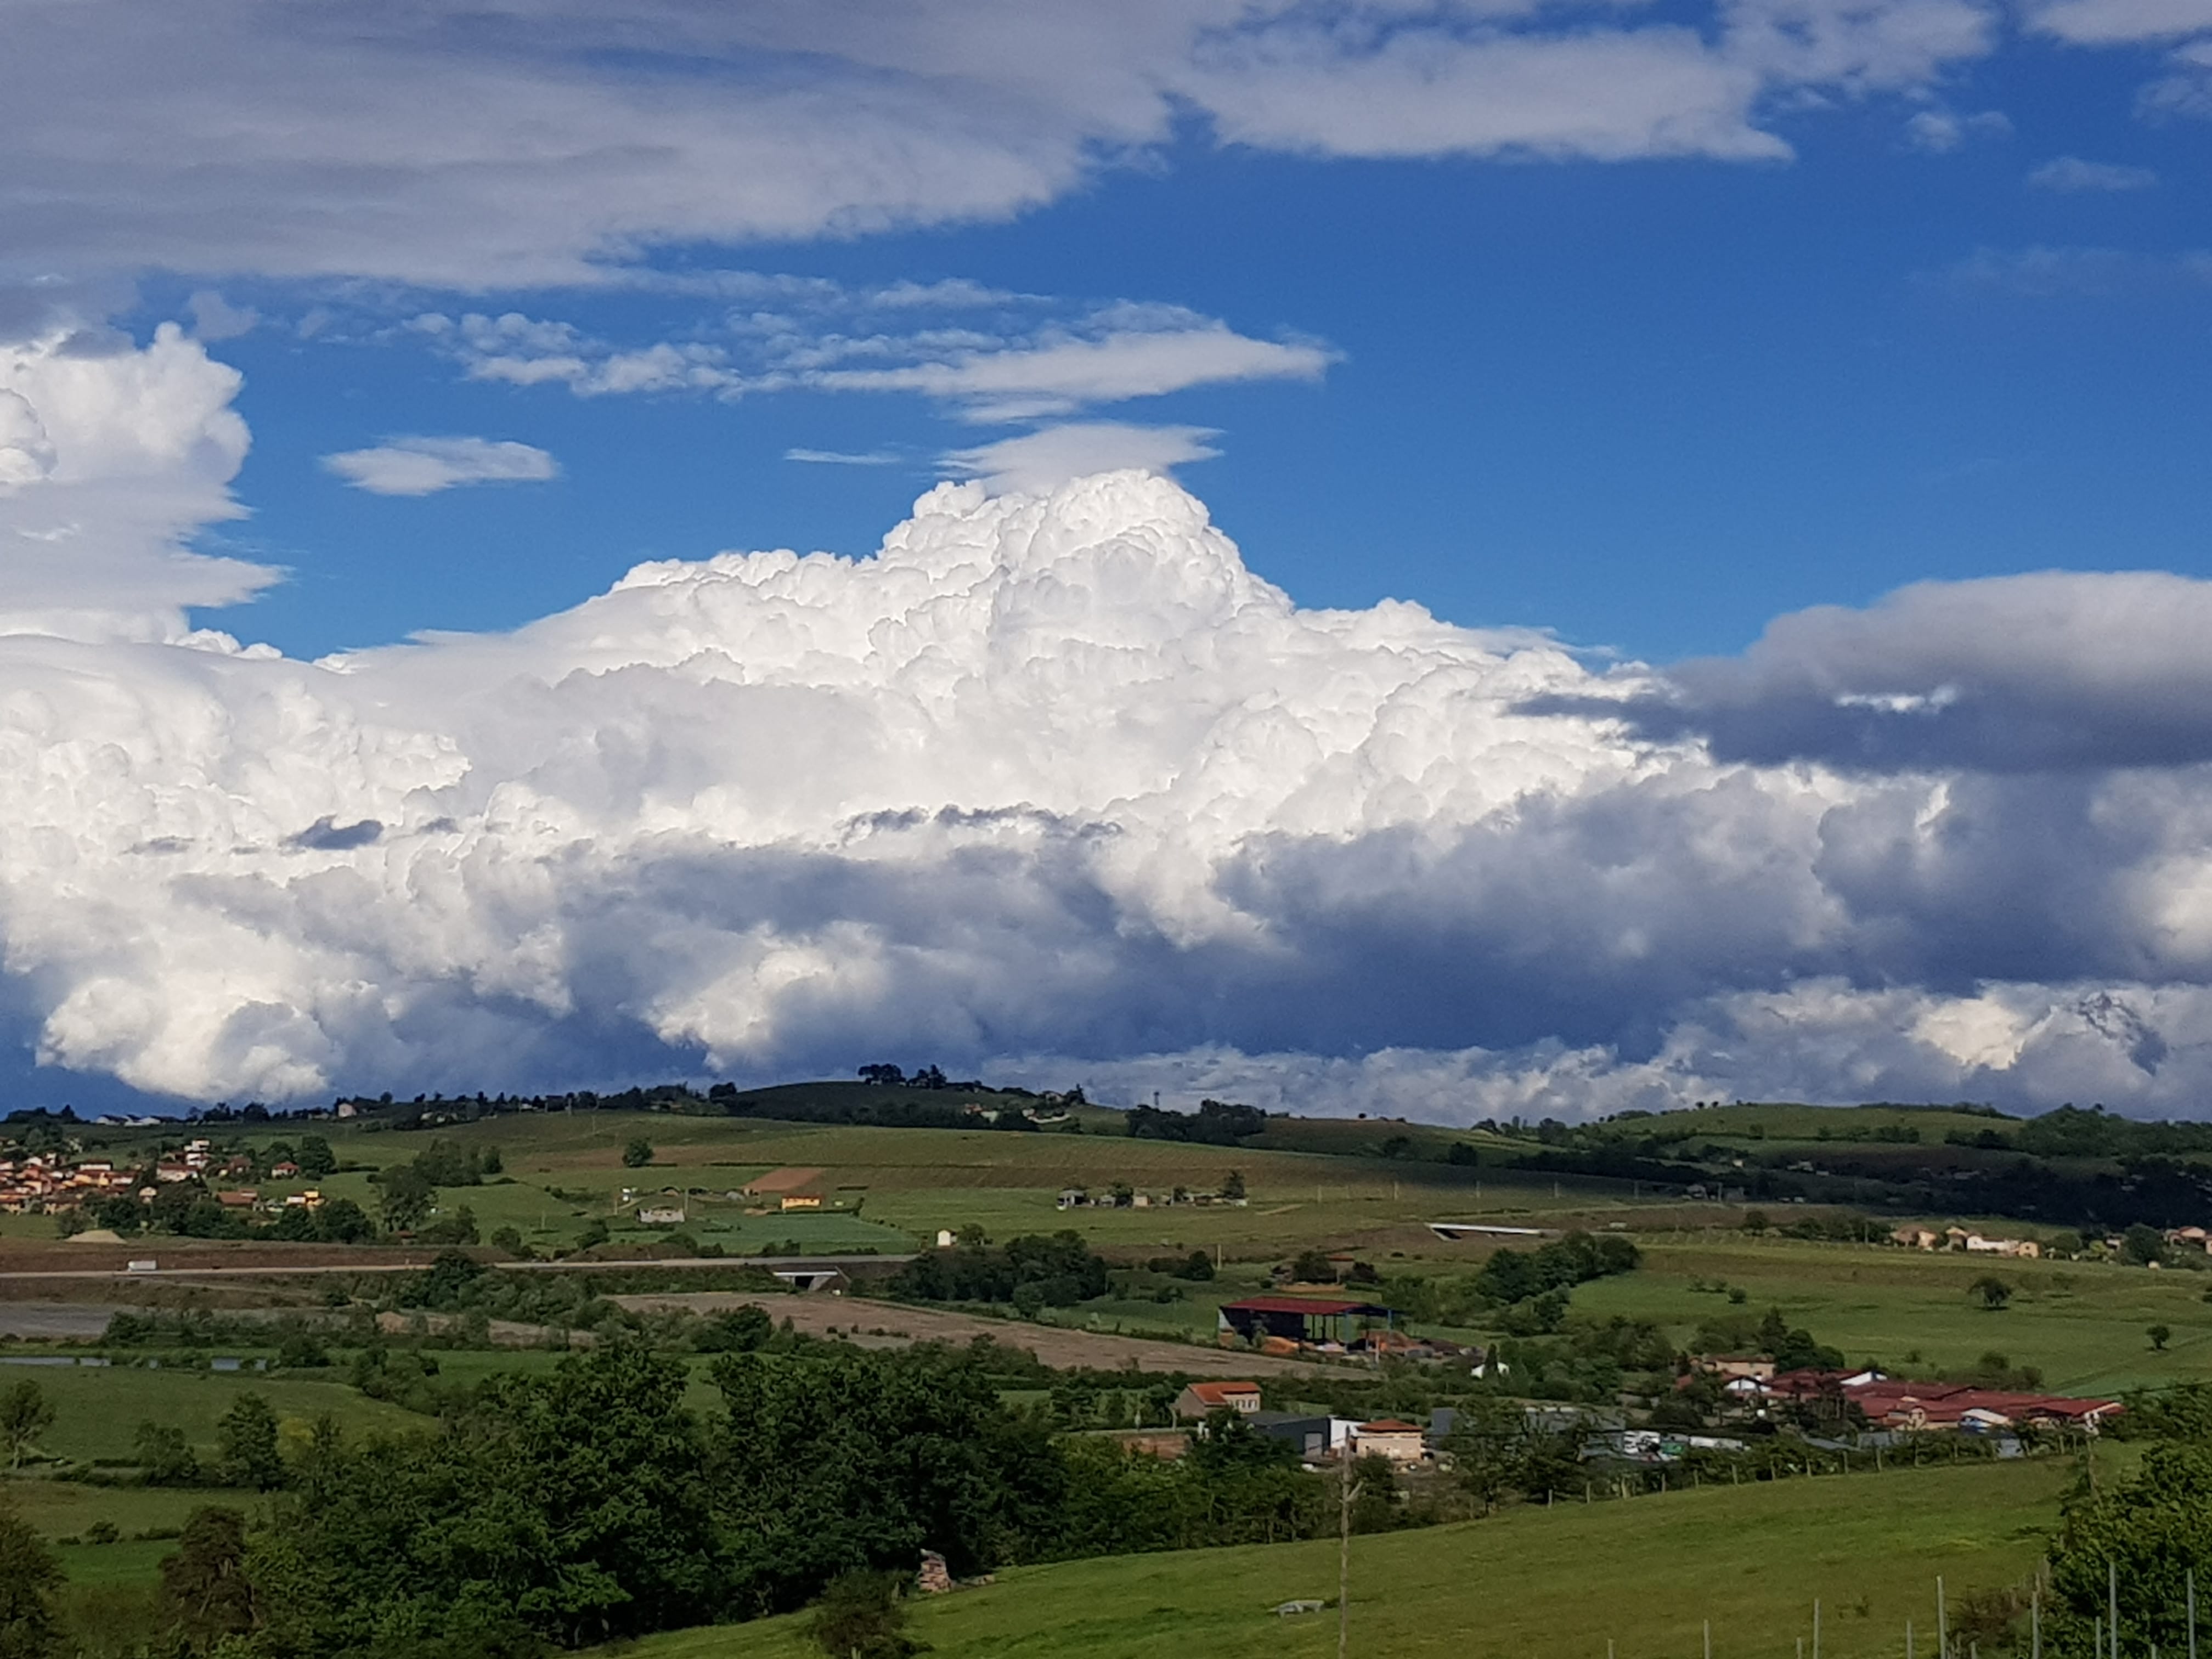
(1914, 1237)
(1963, 1238)
(49, 1184)
(53, 1183)
(1128, 1198)
(1315, 1436)
(1902, 1405)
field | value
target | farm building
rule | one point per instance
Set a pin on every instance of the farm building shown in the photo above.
(1314, 1436)
(1301, 1319)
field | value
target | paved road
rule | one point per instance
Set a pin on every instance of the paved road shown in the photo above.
(276, 1271)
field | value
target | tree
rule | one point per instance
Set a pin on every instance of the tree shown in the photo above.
(1755, 1221)
(204, 1590)
(408, 1195)
(302, 1351)
(245, 1443)
(2142, 1539)
(315, 1158)
(1232, 1185)
(25, 1414)
(166, 1456)
(595, 1233)
(1993, 1290)
(638, 1153)
(2142, 1245)
(2160, 1335)
(29, 1573)
(860, 1616)
(1312, 1267)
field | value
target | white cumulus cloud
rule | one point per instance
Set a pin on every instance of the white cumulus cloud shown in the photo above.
(112, 456)
(423, 467)
(1053, 783)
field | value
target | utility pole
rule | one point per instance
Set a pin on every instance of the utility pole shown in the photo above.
(1816, 1627)
(2035, 1626)
(1344, 1549)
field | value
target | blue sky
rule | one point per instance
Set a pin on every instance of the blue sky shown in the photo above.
(1648, 403)
(1790, 413)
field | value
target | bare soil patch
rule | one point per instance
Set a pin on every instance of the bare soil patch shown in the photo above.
(872, 1324)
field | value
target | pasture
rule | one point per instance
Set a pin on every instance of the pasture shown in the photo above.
(98, 1409)
(1527, 1583)
(2082, 1323)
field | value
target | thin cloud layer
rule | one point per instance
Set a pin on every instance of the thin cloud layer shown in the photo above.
(1039, 462)
(424, 466)
(987, 357)
(550, 141)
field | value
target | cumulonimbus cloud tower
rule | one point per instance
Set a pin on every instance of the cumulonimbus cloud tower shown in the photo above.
(1051, 785)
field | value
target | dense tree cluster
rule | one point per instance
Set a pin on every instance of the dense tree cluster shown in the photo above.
(1033, 1271)
(1511, 1276)
(590, 1504)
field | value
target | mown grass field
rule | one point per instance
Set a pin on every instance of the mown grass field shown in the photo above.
(1530, 1583)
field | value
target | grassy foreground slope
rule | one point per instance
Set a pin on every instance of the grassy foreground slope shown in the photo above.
(1531, 1583)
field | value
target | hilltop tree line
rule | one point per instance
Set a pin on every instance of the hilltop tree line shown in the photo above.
(1215, 1123)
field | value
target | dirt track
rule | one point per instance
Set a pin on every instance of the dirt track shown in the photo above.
(873, 1324)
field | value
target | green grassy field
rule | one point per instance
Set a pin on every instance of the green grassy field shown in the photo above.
(2082, 1323)
(1531, 1583)
(908, 1183)
(97, 1410)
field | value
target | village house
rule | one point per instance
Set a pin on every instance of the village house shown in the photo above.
(1388, 1437)
(1730, 1366)
(661, 1215)
(1199, 1401)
